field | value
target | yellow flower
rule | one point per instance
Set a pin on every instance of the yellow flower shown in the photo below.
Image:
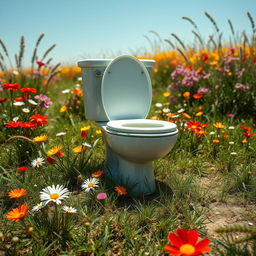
(78, 149)
(186, 115)
(186, 94)
(40, 138)
(54, 150)
(154, 118)
(166, 94)
(85, 128)
(219, 125)
(244, 141)
(199, 113)
(98, 131)
(63, 109)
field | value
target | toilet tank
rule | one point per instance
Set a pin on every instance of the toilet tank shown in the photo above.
(92, 73)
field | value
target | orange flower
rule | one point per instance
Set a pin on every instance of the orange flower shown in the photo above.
(55, 150)
(97, 174)
(197, 96)
(63, 109)
(186, 115)
(219, 125)
(121, 190)
(199, 113)
(40, 138)
(78, 149)
(39, 120)
(18, 213)
(78, 92)
(216, 141)
(17, 193)
(184, 243)
(186, 94)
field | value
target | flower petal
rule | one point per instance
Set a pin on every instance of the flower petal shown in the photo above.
(172, 250)
(182, 233)
(175, 240)
(203, 243)
(192, 236)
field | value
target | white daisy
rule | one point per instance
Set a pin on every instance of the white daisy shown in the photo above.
(60, 134)
(181, 110)
(15, 119)
(54, 194)
(66, 91)
(37, 162)
(69, 209)
(231, 143)
(212, 133)
(90, 183)
(18, 103)
(166, 110)
(25, 110)
(233, 153)
(87, 145)
(32, 102)
(231, 127)
(38, 207)
(79, 78)
(158, 105)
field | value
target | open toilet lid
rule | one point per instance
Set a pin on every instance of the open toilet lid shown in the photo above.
(126, 89)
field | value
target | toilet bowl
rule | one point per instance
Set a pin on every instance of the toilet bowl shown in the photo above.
(132, 141)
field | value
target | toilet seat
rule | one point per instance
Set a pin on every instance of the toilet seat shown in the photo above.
(126, 90)
(141, 126)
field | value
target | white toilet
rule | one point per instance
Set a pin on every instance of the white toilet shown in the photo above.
(117, 95)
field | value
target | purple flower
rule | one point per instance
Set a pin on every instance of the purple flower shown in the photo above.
(203, 90)
(243, 87)
(43, 101)
(101, 196)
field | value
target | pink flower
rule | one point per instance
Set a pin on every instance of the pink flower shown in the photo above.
(101, 196)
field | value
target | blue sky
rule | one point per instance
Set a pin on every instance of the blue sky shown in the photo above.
(94, 29)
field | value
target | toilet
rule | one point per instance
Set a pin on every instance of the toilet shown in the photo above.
(117, 96)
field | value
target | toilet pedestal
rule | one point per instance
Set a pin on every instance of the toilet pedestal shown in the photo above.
(137, 177)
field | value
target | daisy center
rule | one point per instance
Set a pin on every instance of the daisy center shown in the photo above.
(54, 196)
(90, 185)
(187, 249)
(38, 162)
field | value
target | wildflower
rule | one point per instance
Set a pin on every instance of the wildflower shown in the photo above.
(2, 100)
(29, 229)
(121, 190)
(193, 125)
(40, 138)
(78, 92)
(27, 125)
(25, 110)
(248, 134)
(53, 151)
(32, 102)
(85, 128)
(197, 96)
(230, 115)
(101, 196)
(205, 57)
(215, 141)
(69, 209)
(40, 63)
(11, 86)
(246, 128)
(85, 144)
(18, 99)
(97, 174)
(185, 243)
(63, 109)
(28, 90)
(54, 194)
(225, 135)
(98, 131)
(231, 127)
(22, 168)
(17, 193)
(50, 160)
(181, 110)
(233, 153)
(244, 141)
(219, 125)
(83, 134)
(90, 184)
(166, 94)
(166, 110)
(60, 134)
(37, 162)
(158, 105)
(187, 116)
(18, 213)
(186, 94)
(231, 143)
(39, 120)
(18, 103)
(38, 207)
(43, 101)
(66, 91)
(199, 113)
(78, 149)
(12, 124)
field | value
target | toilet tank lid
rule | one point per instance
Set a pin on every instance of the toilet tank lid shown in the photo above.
(90, 63)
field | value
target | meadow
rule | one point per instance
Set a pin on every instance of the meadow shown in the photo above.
(54, 197)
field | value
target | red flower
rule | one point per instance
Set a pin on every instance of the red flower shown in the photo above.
(185, 243)
(193, 125)
(50, 160)
(2, 100)
(27, 125)
(11, 86)
(205, 57)
(83, 134)
(29, 90)
(254, 60)
(18, 99)
(12, 124)
(248, 134)
(39, 120)
(245, 128)
(22, 168)
(40, 63)
(197, 96)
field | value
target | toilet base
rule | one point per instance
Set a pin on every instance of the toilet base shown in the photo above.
(138, 178)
